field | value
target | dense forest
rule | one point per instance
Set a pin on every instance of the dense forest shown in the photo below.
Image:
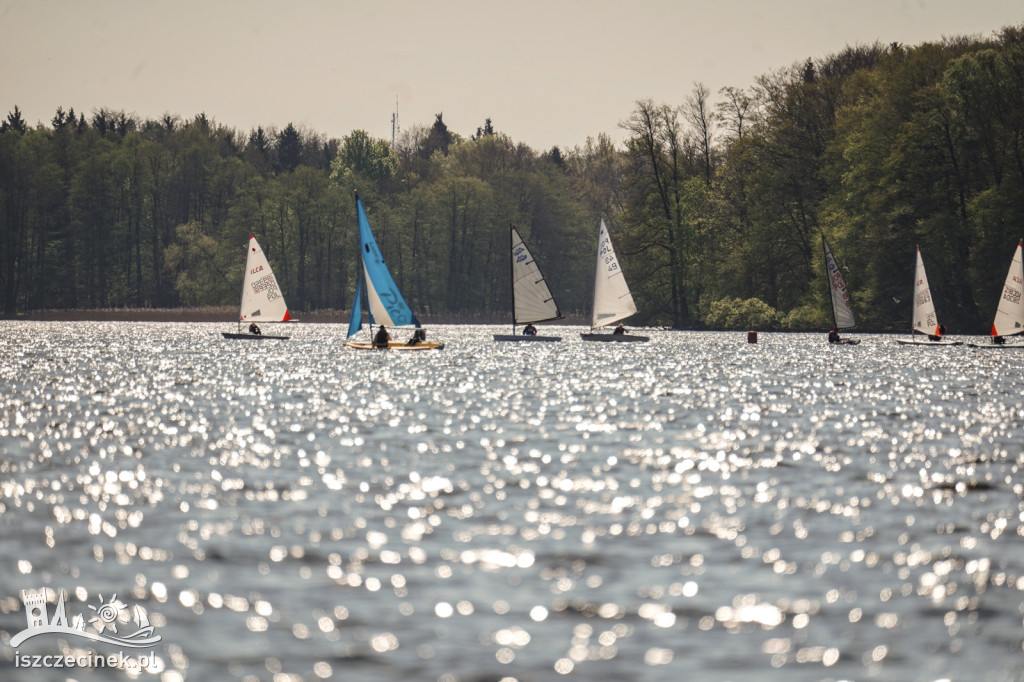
(717, 205)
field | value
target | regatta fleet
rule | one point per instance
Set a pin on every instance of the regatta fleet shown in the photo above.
(389, 316)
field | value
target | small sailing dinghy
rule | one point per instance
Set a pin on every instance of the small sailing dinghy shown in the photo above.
(386, 305)
(531, 299)
(1009, 320)
(842, 306)
(262, 300)
(925, 327)
(612, 300)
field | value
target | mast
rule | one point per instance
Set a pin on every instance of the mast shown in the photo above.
(913, 294)
(245, 273)
(365, 293)
(597, 275)
(828, 282)
(512, 274)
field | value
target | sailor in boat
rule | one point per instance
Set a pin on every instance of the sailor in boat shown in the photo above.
(940, 331)
(619, 330)
(998, 340)
(418, 337)
(253, 329)
(382, 338)
(833, 336)
(529, 330)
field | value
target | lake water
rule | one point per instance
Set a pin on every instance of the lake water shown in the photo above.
(694, 508)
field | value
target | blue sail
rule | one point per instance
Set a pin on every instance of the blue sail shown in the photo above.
(385, 301)
(355, 320)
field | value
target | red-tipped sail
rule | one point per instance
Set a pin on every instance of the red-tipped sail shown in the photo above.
(262, 300)
(1010, 313)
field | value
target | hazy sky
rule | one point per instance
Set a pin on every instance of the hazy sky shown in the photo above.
(547, 72)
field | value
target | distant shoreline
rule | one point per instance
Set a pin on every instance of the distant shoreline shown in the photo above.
(206, 314)
(230, 315)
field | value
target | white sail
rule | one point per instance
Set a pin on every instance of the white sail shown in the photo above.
(842, 307)
(612, 300)
(262, 300)
(379, 312)
(925, 321)
(1010, 313)
(532, 300)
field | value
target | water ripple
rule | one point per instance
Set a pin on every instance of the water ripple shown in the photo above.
(694, 507)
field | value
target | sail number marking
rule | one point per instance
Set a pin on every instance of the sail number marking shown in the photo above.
(268, 284)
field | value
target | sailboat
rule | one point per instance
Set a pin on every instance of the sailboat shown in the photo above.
(385, 302)
(531, 299)
(612, 300)
(262, 300)
(1009, 320)
(925, 328)
(842, 307)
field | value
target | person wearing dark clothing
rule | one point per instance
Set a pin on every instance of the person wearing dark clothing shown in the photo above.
(529, 330)
(619, 330)
(833, 336)
(253, 329)
(382, 338)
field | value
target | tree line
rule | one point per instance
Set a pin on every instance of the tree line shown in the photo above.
(717, 206)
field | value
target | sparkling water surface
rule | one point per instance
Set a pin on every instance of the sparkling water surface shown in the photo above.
(693, 508)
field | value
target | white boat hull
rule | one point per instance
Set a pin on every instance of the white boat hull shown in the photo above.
(996, 346)
(927, 342)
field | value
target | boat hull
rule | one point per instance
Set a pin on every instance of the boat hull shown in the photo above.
(522, 337)
(615, 338)
(995, 346)
(844, 342)
(253, 337)
(918, 342)
(393, 345)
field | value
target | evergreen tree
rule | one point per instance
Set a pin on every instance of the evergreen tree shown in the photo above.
(14, 122)
(289, 150)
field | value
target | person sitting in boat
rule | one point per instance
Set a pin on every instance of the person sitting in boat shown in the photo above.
(998, 340)
(940, 331)
(418, 337)
(382, 338)
(619, 330)
(529, 330)
(833, 336)
(253, 329)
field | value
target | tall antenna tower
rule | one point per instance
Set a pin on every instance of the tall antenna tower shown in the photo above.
(394, 124)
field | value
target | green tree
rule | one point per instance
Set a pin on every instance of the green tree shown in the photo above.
(289, 149)
(201, 267)
(439, 139)
(14, 122)
(361, 156)
(662, 204)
